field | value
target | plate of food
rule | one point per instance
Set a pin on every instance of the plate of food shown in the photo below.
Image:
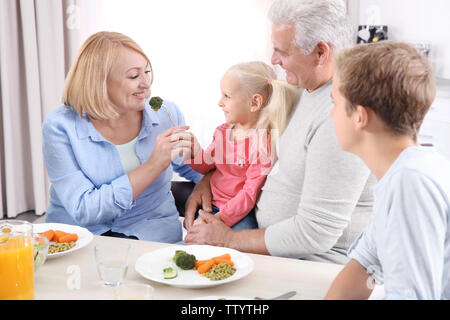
(64, 238)
(194, 266)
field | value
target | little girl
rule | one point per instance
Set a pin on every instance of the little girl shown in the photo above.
(256, 108)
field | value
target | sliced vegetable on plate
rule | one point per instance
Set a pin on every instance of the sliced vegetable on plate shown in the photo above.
(184, 260)
(225, 265)
(170, 273)
(216, 268)
(60, 240)
(64, 238)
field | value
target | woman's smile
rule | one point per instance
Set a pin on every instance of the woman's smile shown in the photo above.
(140, 95)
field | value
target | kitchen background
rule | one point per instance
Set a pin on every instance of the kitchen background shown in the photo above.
(423, 23)
(190, 43)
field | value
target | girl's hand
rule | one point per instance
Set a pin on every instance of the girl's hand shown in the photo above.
(217, 215)
(198, 222)
(169, 145)
(195, 148)
(213, 232)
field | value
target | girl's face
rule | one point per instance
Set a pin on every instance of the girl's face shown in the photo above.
(129, 81)
(234, 103)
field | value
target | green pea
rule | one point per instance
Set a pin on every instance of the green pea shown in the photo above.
(220, 271)
(60, 247)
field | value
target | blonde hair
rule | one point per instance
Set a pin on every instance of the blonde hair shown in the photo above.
(279, 97)
(85, 87)
(391, 78)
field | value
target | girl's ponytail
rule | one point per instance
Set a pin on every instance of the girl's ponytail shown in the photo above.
(275, 115)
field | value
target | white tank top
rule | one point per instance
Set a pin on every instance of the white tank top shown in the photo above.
(128, 157)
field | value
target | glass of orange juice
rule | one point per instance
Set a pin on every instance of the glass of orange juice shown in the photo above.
(16, 260)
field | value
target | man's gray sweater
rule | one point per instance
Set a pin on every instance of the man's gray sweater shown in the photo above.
(317, 197)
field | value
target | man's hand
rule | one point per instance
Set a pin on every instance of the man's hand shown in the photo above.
(212, 231)
(200, 197)
(215, 232)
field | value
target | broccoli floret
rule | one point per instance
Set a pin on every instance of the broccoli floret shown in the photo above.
(177, 253)
(184, 260)
(156, 103)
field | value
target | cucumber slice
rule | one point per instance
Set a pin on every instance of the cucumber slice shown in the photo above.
(170, 273)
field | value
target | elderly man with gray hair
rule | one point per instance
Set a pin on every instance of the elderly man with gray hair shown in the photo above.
(317, 198)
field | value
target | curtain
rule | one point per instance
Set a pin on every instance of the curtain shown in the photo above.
(38, 40)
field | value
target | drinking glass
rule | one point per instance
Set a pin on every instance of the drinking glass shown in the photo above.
(16, 260)
(133, 291)
(112, 262)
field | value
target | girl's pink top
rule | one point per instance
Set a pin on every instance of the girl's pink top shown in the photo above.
(241, 170)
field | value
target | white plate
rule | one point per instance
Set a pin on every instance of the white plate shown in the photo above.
(84, 235)
(151, 265)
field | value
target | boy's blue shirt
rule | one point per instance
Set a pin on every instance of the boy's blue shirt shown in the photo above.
(89, 187)
(406, 244)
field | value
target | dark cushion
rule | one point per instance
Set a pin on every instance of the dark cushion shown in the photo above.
(181, 190)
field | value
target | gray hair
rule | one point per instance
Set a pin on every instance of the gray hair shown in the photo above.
(315, 21)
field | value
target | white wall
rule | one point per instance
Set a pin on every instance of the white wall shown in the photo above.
(415, 21)
(190, 45)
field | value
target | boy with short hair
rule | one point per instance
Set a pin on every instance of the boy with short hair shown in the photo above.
(381, 93)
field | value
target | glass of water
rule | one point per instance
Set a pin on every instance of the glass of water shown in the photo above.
(133, 291)
(112, 262)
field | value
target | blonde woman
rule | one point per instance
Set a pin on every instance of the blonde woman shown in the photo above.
(256, 107)
(108, 153)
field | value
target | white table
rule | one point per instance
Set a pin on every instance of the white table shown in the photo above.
(271, 276)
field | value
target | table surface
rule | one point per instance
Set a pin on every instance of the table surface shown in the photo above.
(270, 277)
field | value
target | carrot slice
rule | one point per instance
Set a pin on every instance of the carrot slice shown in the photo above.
(198, 263)
(49, 234)
(217, 261)
(58, 234)
(224, 256)
(68, 238)
(205, 266)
